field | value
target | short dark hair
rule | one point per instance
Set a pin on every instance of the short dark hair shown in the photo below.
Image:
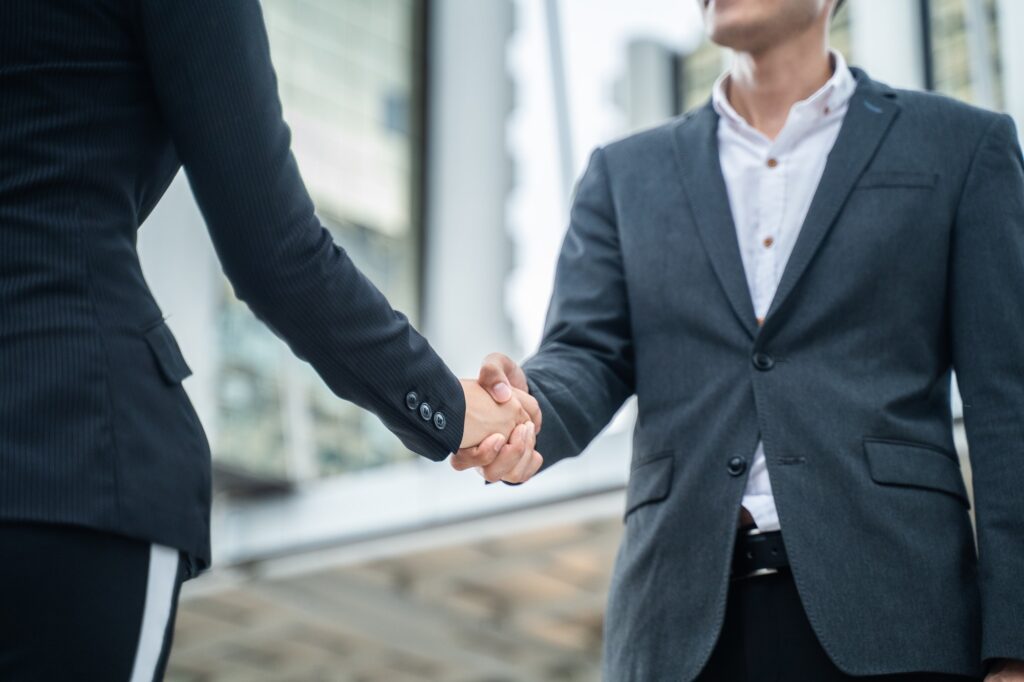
(839, 3)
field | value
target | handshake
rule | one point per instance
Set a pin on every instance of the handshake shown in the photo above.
(502, 422)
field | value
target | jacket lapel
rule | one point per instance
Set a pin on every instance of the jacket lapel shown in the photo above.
(872, 109)
(696, 140)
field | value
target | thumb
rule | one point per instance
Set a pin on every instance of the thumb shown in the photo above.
(494, 379)
(501, 392)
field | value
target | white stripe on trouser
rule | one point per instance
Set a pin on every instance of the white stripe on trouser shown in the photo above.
(163, 573)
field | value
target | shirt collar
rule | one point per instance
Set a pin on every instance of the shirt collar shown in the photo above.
(830, 97)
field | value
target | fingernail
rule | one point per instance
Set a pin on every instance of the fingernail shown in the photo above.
(501, 391)
(497, 445)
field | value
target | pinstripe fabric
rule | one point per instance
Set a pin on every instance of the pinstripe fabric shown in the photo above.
(103, 101)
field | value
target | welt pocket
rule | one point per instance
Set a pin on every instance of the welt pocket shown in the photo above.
(167, 354)
(649, 482)
(917, 465)
(896, 179)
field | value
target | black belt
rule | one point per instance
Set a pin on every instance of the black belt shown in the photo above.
(758, 553)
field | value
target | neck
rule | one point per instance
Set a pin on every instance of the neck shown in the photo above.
(764, 85)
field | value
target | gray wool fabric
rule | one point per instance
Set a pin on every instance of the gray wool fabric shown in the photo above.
(910, 264)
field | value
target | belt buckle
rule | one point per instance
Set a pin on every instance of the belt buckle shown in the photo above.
(754, 530)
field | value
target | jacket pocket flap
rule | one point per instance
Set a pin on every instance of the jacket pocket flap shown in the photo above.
(167, 353)
(649, 482)
(896, 179)
(919, 466)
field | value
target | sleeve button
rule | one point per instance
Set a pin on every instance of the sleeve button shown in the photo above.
(440, 421)
(412, 400)
(426, 411)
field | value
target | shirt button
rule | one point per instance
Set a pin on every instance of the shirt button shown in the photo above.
(440, 421)
(763, 361)
(736, 466)
(772, 163)
(412, 400)
(426, 412)
(768, 241)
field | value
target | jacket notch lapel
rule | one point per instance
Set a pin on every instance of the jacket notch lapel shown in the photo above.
(871, 111)
(696, 145)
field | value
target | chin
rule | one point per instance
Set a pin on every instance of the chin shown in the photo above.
(743, 25)
(740, 38)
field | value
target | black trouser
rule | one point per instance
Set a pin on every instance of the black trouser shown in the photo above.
(77, 604)
(766, 637)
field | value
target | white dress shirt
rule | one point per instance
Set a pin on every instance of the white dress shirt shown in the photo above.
(770, 185)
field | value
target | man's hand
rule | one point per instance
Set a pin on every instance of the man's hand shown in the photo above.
(499, 374)
(1006, 670)
(486, 417)
(514, 461)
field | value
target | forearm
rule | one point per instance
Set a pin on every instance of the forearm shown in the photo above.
(578, 396)
(210, 64)
(986, 328)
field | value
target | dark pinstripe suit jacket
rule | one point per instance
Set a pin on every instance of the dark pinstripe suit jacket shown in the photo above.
(910, 263)
(101, 102)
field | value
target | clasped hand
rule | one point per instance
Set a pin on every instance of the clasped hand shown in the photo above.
(502, 422)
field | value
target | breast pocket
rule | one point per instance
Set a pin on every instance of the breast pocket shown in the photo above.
(900, 463)
(897, 179)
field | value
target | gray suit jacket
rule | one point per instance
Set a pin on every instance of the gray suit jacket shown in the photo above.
(910, 263)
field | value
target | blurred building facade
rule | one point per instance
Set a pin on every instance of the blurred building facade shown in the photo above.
(438, 139)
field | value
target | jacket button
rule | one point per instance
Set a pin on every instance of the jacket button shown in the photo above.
(426, 411)
(763, 361)
(736, 466)
(412, 400)
(440, 421)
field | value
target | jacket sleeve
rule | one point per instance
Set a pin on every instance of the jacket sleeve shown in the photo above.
(987, 341)
(209, 63)
(583, 371)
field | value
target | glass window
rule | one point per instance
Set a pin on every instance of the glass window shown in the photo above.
(349, 77)
(965, 50)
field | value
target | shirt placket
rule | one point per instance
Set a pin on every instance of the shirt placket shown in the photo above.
(770, 207)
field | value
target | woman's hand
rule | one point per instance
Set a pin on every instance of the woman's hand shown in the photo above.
(514, 461)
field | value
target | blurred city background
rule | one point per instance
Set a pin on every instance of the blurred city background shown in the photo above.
(440, 140)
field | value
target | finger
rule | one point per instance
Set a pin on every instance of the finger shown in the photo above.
(503, 463)
(523, 464)
(528, 467)
(494, 378)
(511, 453)
(498, 372)
(514, 373)
(465, 459)
(518, 473)
(532, 407)
(536, 462)
(522, 416)
(480, 456)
